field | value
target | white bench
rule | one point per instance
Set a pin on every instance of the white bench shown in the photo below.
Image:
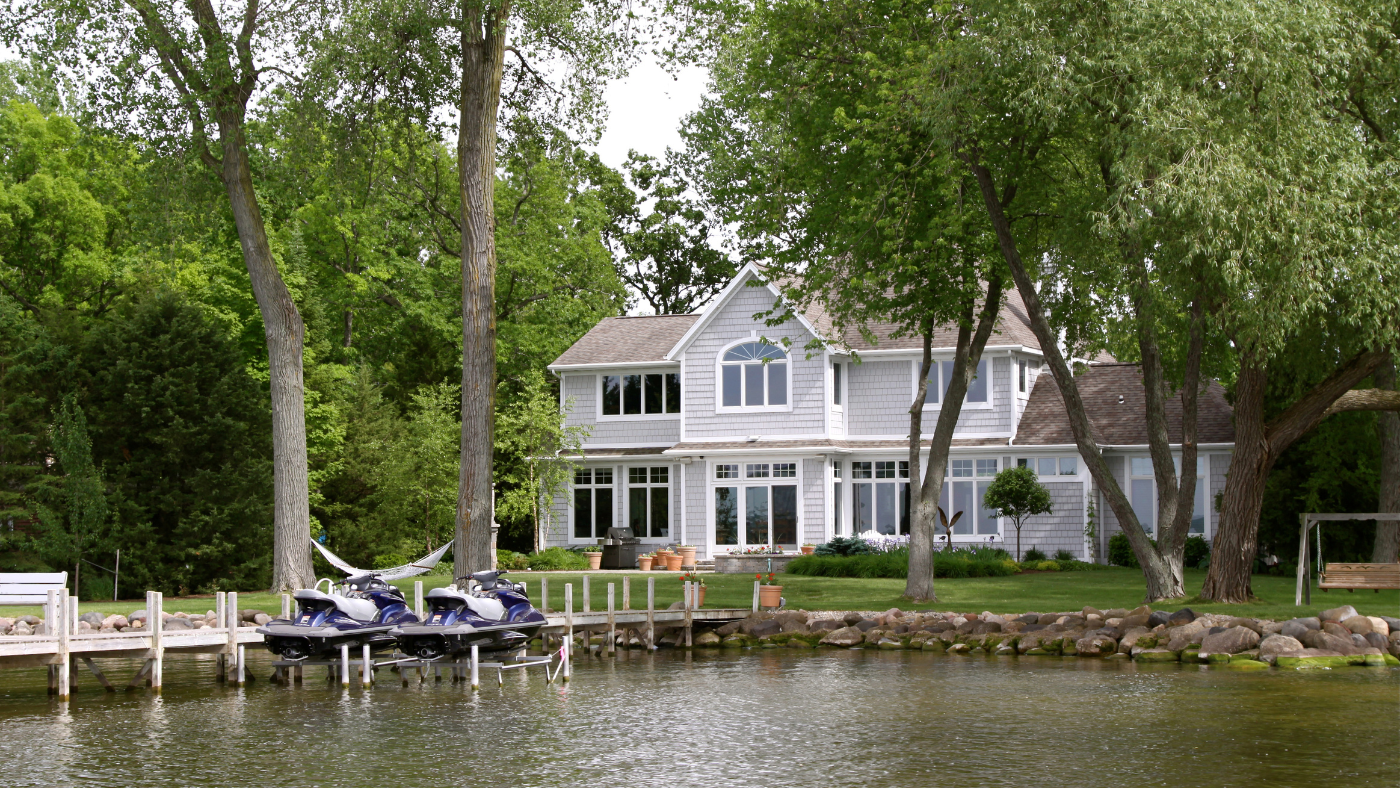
(31, 588)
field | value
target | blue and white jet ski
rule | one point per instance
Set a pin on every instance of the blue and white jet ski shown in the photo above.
(493, 614)
(355, 612)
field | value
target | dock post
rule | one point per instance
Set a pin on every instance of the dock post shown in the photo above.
(586, 599)
(612, 622)
(345, 665)
(755, 596)
(569, 611)
(58, 625)
(242, 666)
(286, 606)
(366, 666)
(155, 620)
(568, 658)
(544, 595)
(689, 600)
(70, 620)
(651, 613)
(418, 599)
(51, 616)
(231, 621)
(220, 620)
(627, 605)
(476, 662)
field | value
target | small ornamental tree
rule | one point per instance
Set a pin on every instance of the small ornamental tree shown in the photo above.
(1017, 493)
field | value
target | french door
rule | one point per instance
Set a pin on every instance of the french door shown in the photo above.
(756, 515)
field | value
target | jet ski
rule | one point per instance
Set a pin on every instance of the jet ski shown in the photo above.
(355, 612)
(493, 614)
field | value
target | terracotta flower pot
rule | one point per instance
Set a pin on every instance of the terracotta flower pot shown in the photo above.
(700, 597)
(687, 557)
(645, 563)
(770, 596)
(673, 562)
(595, 560)
(808, 548)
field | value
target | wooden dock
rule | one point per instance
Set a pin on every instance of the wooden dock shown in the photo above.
(61, 648)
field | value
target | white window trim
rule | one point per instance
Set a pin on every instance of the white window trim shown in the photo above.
(598, 395)
(627, 486)
(569, 501)
(839, 407)
(973, 538)
(799, 480)
(848, 478)
(990, 404)
(1016, 363)
(719, 382)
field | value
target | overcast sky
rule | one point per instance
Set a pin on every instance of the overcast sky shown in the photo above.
(645, 111)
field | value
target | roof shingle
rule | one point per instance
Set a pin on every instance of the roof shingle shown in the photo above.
(628, 340)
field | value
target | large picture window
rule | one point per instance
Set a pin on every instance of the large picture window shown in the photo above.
(940, 375)
(651, 394)
(649, 501)
(880, 505)
(963, 491)
(754, 375)
(593, 502)
(1142, 487)
(760, 510)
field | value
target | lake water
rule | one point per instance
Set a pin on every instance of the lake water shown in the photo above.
(751, 718)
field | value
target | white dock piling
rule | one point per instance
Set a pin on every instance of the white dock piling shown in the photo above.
(586, 598)
(755, 596)
(220, 620)
(612, 622)
(476, 662)
(345, 665)
(286, 606)
(627, 605)
(651, 612)
(569, 612)
(544, 595)
(688, 603)
(568, 655)
(418, 599)
(242, 666)
(58, 625)
(366, 666)
(231, 650)
(155, 621)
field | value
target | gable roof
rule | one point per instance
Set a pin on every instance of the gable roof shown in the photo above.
(627, 340)
(1115, 423)
(740, 280)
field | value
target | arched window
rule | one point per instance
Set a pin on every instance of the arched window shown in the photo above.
(753, 375)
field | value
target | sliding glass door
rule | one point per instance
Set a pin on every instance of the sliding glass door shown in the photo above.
(756, 515)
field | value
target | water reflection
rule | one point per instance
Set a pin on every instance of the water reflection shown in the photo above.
(771, 717)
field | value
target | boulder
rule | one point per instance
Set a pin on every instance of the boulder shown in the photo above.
(959, 648)
(992, 618)
(1247, 623)
(32, 621)
(1360, 641)
(114, 621)
(1270, 627)
(1142, 610)
(1328, 642)
(799, 643)
(1158, 618)
(174, 623)
(1091, 611)
(1379, 626)
(1374, 640)
(1334, 628)
(1338, 613)
(1135, 620)
(1095, 646)
(1360, 625)
(889, 644)
(791, 620)
(93, 619)
(260, 619)
(844, 637)
(1312, 658)
(1231, 641)
(933, 644)
(1029, 618)
(1116, 612)
(136, 615)
(735, 640)
(1156, 655)
(1181, 617)
(1297, 627)
(84, 626)
(21, 628)
(1393, 623)
(851, 619)
(824, 626)
(1130, 639)
(728, 629)
(1274, 645)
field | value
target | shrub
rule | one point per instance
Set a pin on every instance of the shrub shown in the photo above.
(511, 561)
(1064, 555)
(1120, 551)
(1047, 566)
(1197, 554)
(982, 562)
(1033, 555)
(553, 559)
(844, 545)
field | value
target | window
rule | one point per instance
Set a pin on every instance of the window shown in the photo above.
(881, 506)
(784, 470)
(1142, 492)
(940, 374)
(756, 470)
(836, 383)
(593, 502)
(1046, 466)
(756, 514)
(754, 375)
(963, 495)
(1021, 376)
(649, 501)
(726, 471)
(653, 394)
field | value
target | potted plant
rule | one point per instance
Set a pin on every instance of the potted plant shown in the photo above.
(644, 561)
(594, 554)
(808, 548)
(769, 593)
(673, 561)
(659, 559)
(697, 583)
(687, 556)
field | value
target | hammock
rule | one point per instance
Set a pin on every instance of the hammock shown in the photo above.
(393, 573)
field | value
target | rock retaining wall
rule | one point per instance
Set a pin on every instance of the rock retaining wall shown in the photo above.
(752, 564)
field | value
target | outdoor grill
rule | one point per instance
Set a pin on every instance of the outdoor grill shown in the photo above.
(620, 549)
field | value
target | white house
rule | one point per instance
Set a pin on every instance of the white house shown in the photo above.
(708, 429)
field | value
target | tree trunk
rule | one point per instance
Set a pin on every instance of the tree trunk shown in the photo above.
(283, 329)
(926, 488)
(483, 53)
(1387, 547)
(1154, 567)
(1257, 446)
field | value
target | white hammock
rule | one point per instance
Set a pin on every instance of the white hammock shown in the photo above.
(394, 573)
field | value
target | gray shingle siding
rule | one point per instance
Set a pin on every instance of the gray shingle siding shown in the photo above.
(734, 323)
(813, 502)
(581, 394)
(880, 393)
(695, 489)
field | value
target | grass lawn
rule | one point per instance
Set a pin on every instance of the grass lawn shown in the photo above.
(1041, 592)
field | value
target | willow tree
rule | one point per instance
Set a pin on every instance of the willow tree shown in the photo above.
(184, 77)
(812, 148)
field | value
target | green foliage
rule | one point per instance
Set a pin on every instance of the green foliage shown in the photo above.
(1064, 555)
(1016, 493)
(1196, 553)
(554, 559)
(844, 545)
(511, 561)
(982, 562)
(1047, 566)
(531, 428)
(74, 518)
(1033, 555)
(1120, 551)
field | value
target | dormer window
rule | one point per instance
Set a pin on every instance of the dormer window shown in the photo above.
(754, 375)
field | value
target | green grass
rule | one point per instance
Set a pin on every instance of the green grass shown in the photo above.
(1041, 592)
